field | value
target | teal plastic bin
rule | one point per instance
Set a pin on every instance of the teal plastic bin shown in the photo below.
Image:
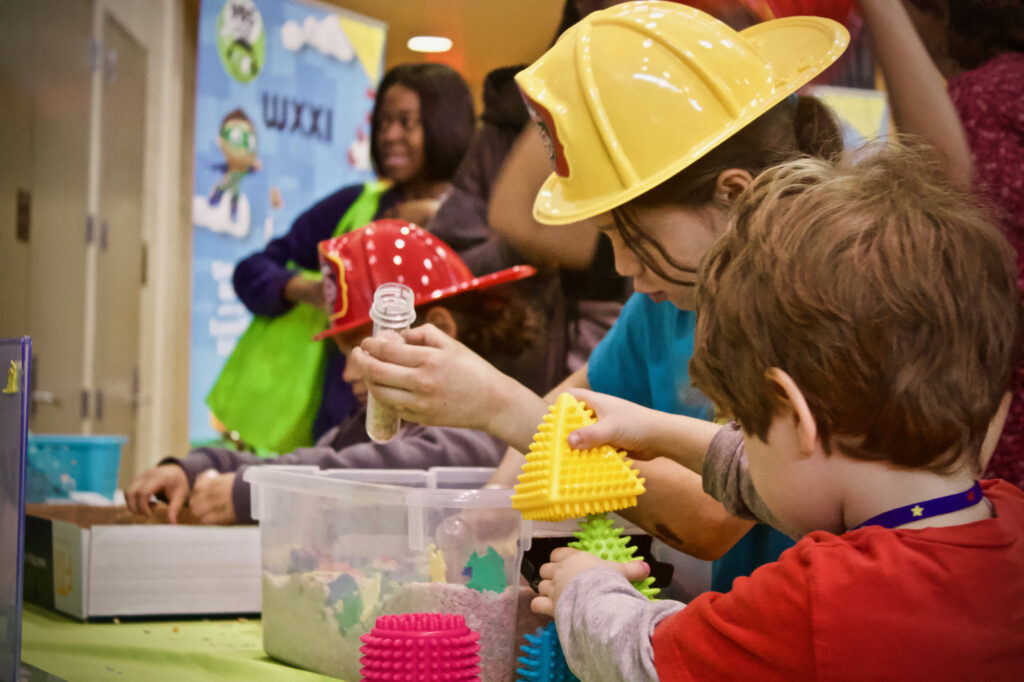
(60, 465)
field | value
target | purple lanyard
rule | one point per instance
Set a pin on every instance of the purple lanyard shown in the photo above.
(927, 509)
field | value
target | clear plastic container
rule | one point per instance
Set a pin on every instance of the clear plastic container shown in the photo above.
(337, 553)
(393, 310)
(476, 477)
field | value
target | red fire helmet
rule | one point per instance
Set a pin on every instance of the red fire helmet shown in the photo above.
(837, 10)
(356, 263)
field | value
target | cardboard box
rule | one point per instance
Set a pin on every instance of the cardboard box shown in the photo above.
(101, 562)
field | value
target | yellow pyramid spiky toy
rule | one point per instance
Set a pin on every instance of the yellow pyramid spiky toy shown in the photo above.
(559, 483)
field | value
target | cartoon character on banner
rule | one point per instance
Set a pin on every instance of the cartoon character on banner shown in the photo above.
(227, 208)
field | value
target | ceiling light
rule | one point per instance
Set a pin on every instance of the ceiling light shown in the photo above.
(429, 44)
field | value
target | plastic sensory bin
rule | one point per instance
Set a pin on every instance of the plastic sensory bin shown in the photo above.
(58, 465)
(339, 553)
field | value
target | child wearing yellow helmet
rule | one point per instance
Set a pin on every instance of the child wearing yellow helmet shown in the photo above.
(658, 116)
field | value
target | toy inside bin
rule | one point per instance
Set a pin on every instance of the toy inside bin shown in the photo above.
(58, 465)
(338, 553)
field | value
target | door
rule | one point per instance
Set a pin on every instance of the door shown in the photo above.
(18, 97)
(45, 80)
(120, 256)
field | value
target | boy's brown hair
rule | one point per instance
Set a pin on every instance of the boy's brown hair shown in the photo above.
(880, 289)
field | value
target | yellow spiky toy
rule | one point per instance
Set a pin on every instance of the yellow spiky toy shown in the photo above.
(559, 483)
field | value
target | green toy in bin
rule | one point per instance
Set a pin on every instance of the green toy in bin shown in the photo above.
(58, 465)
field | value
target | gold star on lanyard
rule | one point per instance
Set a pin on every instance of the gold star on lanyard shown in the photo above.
(917, 510)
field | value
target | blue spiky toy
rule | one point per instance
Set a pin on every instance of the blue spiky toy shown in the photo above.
(544, 660)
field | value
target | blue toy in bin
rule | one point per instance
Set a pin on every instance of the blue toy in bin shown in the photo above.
(60, 465)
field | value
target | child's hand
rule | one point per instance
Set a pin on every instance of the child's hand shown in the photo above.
(621, 424)
(299, 289)
(167, 481)
(211, 498)
(567, 563)
(432, 379)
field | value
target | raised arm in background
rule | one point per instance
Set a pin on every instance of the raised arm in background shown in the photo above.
(510, 211)
(917, 91)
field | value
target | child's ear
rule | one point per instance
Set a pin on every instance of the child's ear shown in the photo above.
(730, 183)
(803, 420)
(443, 319)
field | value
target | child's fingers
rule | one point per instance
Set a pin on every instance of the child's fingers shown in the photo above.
(389, 351)
(543, 606)
(585, 395)
(426, 335)
(592, 436)
(393, 371)
(200, 500)
(202, 508)
(561, 554)
(139, 494)
(600, 403)
(635, 570)
(130, 497)
(545, 588)
(174, 505)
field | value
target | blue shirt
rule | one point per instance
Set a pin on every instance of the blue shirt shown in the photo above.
(645, 358)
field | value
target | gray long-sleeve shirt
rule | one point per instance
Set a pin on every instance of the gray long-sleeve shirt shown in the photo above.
(726, 478)
(604, 625)
(348, 447)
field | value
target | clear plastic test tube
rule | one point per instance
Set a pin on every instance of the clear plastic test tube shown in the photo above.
(393, 310)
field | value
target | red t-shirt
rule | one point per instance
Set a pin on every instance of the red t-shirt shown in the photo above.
(872, 604)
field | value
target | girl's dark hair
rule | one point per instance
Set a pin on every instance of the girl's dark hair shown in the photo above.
(494, 321)
(977, 30)
(798, 126)
(570, 15)
(446, 113)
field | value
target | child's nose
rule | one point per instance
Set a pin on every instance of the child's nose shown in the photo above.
(626, 262)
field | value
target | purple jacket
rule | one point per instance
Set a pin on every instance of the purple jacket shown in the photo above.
(260, 280)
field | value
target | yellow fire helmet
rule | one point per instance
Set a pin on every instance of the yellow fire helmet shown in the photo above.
(633, 94)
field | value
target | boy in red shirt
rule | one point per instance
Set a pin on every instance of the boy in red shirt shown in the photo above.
(859, 324)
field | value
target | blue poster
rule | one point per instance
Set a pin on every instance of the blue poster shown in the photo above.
(284, 92)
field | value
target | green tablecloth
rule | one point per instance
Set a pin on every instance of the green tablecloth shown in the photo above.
(175, 651)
